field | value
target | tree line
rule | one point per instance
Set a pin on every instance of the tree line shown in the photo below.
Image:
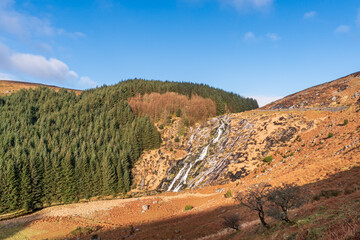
(57, 147)
(226, 102)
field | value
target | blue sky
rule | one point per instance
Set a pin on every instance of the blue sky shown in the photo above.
(260, 48)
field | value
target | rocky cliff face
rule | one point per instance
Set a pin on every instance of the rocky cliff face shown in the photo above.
(221, 150)
(233, 147)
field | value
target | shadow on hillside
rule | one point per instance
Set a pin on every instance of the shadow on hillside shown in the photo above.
(195, 223)
(204, 223)
(12, 230)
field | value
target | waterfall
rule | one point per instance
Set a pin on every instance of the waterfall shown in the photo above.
(184, 172)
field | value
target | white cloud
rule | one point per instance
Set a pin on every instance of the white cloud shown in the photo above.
(86, 82)
(238, 4)
(264, 100)
(342, 29)
(250, 36)
(273, 37)
(5, 76)
(25, 26)
(39, 67)
(310, 14)
(248, 3)
(22, 25)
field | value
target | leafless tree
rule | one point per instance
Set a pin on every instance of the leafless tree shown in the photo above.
(283, 198)
(255, 199)
(232, 221)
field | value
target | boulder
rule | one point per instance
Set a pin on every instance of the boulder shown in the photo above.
(145, 207)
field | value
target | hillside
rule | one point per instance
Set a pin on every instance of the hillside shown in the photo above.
(9, 87)
(60, 146)
(328, 96)
(307, 138)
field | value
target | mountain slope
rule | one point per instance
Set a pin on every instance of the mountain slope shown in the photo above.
(8, 87)
(337, 93)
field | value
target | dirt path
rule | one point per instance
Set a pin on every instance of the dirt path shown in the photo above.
(85, 209)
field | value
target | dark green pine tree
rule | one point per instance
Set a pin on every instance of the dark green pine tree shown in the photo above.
(37, 171)
(68, 184)
(48, 183)
(127, 180)
(26, 194)
(109, 177)
(12, 187)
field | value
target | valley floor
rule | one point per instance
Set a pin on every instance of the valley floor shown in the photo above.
(327, 218)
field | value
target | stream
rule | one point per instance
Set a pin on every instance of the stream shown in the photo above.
(185, 170)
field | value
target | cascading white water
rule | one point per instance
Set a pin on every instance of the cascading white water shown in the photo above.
(177, 177)
(220, 131)
(184, 174)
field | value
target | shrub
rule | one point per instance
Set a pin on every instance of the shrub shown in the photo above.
(330, 135)
(330, 193)
(316, 198)
(346, 121)
(350, 189)
(161, 126)
(255, 198)
(228, 194)
(284, 197)
(178, 112)
(171, 149)
(177, 139)
(232, 221)
(268, 159)
(187, 122)
(188, 207)
(80, 231)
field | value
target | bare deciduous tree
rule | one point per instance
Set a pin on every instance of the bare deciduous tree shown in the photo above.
(284, 197)
(255, 199)
(232, 221)
(157, 105)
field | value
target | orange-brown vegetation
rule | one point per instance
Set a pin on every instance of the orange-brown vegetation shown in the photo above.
(160, 106)
(9, 87)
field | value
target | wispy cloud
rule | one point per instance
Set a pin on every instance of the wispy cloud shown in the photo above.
(342, 29)
(273, 37)
(250, 36)
(25, 26)
(39, 67)
(240, 4)
(6, 76)
(310, 14)
(86, 82)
